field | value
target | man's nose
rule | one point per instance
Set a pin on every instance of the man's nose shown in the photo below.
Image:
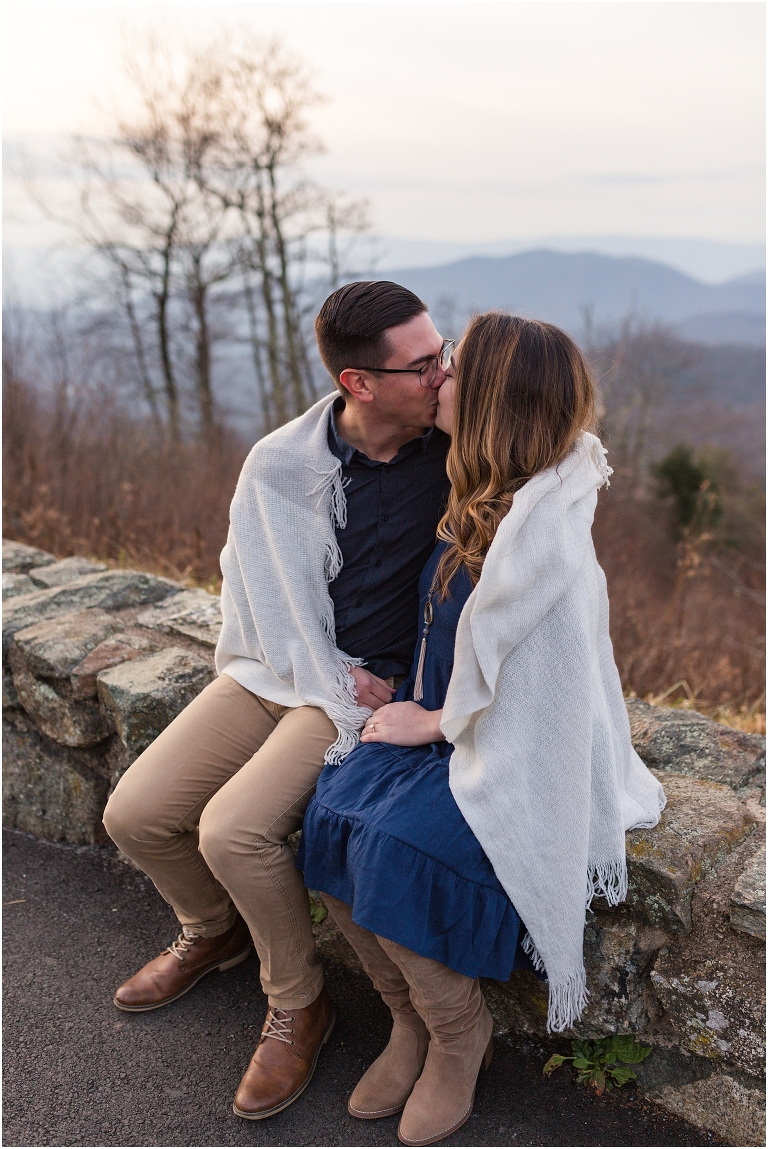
(439, 379)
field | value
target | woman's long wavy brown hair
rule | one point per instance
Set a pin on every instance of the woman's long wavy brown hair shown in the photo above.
(524, 392)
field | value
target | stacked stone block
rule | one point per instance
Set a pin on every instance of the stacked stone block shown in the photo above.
(97, 662)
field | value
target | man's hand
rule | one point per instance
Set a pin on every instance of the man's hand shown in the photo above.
(372, 691)
(403, 724)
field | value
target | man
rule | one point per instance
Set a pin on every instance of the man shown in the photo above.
(333, 519)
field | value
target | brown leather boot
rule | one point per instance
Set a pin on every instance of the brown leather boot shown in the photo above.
(178, 968)
(285, 1058)
(460, 1030)
(386, 1085)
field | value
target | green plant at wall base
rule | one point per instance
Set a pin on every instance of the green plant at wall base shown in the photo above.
(602, 1064)
(317, 911)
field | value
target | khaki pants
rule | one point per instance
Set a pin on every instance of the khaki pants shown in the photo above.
(205, 812)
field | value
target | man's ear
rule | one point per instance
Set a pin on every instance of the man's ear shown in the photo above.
(356, 384)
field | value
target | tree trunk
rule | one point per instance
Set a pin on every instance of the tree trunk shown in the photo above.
(199, 294)
(256, 347)
(273, 337)
(138, 347)
(288, 303)
(162, 298)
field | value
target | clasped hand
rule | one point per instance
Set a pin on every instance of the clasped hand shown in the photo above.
(403, 724)
(399, 723)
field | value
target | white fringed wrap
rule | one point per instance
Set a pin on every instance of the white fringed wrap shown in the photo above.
(543, 768)
(278, 636)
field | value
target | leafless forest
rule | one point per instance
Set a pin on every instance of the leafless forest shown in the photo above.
(127, 415)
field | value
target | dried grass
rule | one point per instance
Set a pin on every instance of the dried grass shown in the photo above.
(686, 617)
(748, 719)
(98, 483)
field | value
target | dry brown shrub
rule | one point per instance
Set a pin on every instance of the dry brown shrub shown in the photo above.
(687, 617)
(99, 483)
(93, 480)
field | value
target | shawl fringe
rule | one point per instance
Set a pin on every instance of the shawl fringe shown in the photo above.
(330, 488)
(528, 947)
(567, 999)
(567, 1002)
(607, 880)
(332, 482)
(342, 685)
(599, 457)
(344, 744)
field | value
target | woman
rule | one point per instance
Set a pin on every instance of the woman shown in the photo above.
(499, 783)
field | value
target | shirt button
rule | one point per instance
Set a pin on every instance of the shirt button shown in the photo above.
(377, 563)
(358, 603)
(385, 518)
(385, 469)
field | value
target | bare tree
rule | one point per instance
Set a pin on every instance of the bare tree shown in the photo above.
(164, 235)
(264, 99)
(637, 369)
(199, 202)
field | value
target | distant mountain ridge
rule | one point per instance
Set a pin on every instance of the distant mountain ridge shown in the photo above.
(755, 278)
(563, 288)
(711, 261)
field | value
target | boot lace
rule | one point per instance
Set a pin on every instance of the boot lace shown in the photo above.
(276, 1025)
(183, 944)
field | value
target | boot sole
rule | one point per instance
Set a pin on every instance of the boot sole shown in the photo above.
(228, 964)
(445, 1133)
(487, 1059)
(294, 1096)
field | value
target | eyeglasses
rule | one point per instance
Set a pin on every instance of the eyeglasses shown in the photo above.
(428, 373)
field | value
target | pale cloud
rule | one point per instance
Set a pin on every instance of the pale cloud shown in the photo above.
(472, 121)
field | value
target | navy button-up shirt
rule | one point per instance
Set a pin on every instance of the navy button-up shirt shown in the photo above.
(392, 514)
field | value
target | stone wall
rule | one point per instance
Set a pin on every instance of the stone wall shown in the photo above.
(97, 662)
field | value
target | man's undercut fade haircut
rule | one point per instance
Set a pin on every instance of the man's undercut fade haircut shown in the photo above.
(352, 326)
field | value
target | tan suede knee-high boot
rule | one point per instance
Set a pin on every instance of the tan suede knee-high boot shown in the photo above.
(460, 1029)
(386, 1085)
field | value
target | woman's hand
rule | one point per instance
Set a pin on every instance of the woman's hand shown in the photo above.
(403, 724)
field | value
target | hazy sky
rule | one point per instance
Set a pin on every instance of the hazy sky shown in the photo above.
(466, 121)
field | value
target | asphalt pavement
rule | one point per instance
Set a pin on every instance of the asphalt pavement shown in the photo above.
(77, 1071)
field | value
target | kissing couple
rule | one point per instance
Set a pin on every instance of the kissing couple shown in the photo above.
(415, 666)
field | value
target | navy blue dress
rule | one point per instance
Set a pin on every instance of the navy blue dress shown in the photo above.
(384, 834)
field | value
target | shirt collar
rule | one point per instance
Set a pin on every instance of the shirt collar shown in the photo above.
(346, 452)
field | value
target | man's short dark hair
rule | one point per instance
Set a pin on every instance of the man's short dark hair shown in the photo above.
(352, 326)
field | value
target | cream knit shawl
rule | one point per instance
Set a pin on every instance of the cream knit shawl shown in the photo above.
(278, 637)
(543, 768)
